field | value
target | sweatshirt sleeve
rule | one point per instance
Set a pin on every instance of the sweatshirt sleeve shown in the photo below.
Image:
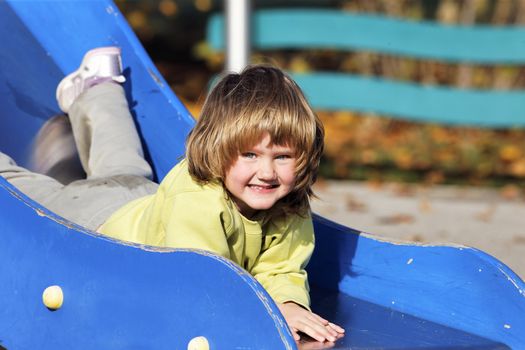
(280, 268)
(194, 220)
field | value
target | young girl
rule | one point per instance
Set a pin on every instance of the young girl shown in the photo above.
(241, 192)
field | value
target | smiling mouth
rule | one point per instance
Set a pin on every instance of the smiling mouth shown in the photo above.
(262, 187)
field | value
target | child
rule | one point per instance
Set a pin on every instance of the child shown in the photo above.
(241, 192)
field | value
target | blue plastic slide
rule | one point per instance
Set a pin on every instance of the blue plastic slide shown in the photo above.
(122, 296)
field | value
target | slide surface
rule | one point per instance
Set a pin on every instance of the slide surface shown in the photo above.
(120, 296)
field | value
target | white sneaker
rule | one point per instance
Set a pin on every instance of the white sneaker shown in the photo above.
(98, 66)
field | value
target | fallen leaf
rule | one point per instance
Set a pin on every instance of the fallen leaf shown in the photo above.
(353, 204)
(511, 192)
(396, 219)
(425, 206)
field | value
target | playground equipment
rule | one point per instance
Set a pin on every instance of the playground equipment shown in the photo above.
(350, 32)
(124, 296)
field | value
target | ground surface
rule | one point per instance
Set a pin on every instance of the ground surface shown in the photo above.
(482, 218)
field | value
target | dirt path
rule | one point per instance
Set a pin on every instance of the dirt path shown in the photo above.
(480, 218)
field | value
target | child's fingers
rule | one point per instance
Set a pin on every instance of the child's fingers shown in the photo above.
(331, 326)
(318, 318)
(321, 321)
(296, 335)
(316, 330)
(335, 327)
(315, 334)
(333, 331)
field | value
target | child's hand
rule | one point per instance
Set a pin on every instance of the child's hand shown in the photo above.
(302, 320)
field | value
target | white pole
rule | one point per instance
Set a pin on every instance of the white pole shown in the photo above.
(237, 34)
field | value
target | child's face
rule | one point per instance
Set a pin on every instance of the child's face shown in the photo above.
(261, 176)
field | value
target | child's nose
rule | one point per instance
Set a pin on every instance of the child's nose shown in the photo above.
(266, 171)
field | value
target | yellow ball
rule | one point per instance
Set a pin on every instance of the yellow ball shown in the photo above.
(53, 297)
(199, 343)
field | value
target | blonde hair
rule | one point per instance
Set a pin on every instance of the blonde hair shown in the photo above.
(239, 111)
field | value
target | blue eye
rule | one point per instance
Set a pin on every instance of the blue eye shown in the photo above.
(248, 155)
(283, 157)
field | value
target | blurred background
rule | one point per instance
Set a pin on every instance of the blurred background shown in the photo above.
(413, 181)
(361, 147)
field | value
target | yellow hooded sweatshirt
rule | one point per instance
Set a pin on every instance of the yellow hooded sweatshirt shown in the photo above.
(185, 214)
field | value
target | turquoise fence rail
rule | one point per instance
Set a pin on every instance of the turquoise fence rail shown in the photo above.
(337, 30)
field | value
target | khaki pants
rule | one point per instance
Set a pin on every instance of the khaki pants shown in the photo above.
(111, 155)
